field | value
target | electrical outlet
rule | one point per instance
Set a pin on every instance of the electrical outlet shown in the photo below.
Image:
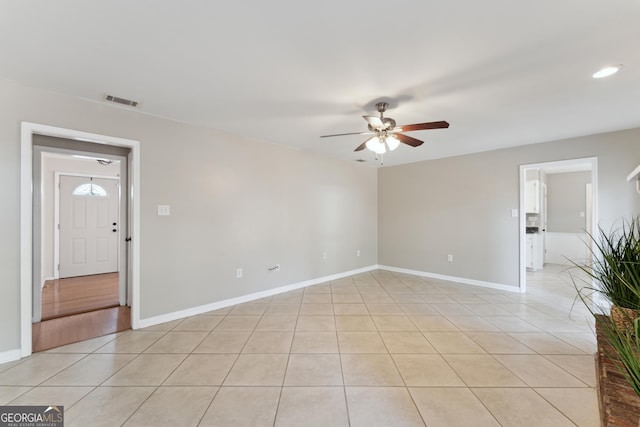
(239, 273)
(358, 252)
(450, 258)
(324, 255)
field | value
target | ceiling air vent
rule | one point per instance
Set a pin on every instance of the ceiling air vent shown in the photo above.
(122, 101)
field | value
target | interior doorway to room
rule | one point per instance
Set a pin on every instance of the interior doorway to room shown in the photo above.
(80, 253)
(558, 205)
(34, 140)
(86, 228)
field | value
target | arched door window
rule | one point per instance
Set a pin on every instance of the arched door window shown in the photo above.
(90, 189)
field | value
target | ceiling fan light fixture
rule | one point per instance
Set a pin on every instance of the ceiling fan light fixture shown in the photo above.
(372, 142)
(392, 142)
(376, 145)
(380, 148)
(387, 134)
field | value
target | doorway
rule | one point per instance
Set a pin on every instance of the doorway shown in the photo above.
(77, 241)
(540, 242)
(81, 266)
(79, 144)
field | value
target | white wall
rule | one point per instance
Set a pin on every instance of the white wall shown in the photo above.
(462, 205)
(566, 217)
(562, 247)
(50, 165)
(567, 201)
(234, 202)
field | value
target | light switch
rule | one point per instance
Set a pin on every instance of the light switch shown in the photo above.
(514, 213)
(581, 214)
(164, 210)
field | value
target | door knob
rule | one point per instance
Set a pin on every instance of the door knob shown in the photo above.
(114, 224)
(114, 230)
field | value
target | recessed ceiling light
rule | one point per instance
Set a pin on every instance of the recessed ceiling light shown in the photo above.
(607, 71)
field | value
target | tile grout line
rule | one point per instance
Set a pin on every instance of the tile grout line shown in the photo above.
(94, 387)
(219, 388)
(406, 388)
(284, 376)
(344, 383)
(554, 406)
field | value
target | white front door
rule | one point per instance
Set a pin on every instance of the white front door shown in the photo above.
(89, 225)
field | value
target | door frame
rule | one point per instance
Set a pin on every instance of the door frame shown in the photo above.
(28, 130)
(593, 162)
(40, 152)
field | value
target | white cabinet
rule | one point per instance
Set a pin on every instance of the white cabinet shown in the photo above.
(532, 191)
(534, 245)
(530, 252)
(532, 197)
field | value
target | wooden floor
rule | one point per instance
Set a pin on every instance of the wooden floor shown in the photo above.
(73, 295)
(79, 327)
(79, 308)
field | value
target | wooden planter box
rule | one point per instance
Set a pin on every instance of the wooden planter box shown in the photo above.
(619, 403)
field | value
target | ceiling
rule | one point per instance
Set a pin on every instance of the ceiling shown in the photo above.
(502, 72)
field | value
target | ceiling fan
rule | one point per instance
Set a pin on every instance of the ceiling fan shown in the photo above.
(387, 134)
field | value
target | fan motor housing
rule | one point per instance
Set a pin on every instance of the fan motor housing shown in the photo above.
(389, 123)
(381, 107)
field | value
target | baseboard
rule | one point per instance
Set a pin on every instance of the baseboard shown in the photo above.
(464, 280)
(10, 356)
(150, 321)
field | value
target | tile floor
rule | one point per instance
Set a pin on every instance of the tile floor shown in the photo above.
(375, 349)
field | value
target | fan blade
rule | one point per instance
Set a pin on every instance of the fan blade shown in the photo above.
(375, 122)
(425, 126)
(344, 134)
(408, 140)
(361, 146)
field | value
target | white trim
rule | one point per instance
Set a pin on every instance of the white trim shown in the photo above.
(10, 356)
(151, 321)
(593, 162)
(26, 218)
(633, 174)
(56, 216)
(464, 280)
(26, 243)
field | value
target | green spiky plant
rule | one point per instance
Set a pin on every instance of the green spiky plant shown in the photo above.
(616, 270)
(613, 268)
